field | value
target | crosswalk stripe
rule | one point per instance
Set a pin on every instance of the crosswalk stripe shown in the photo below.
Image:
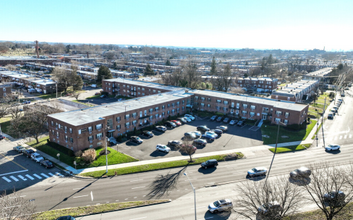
(350, 136)
(51, 174)
(37, 176)
(24, 179)
(44, 175)
(59, 174)
(14, 178)
(340, 137)
(335, 138)
(6, 179)
(29, 177)
(345, 136)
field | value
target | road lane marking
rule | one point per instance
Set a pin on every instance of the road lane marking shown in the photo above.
(137, 218)
(44, 175)
(117, 200)
(139, 187)
(29, 177)
(13, 172)
(13, 161)
(126, 198)
(135, 197)
(92, 196)
(7, 180)
(136, 180)
(14, 178)
(37, 176)
(75, 197)
(59, 174)
(22, 177)
(350, 136)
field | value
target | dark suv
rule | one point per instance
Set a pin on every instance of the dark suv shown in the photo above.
(147, 134)
(136, 139)
(202, 128)
(170, 124)
(209, 163)
(28, 152)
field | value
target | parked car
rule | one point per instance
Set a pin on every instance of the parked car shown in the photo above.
(202, 128)
(226, 120)
(189, 116)
(36, 157)
(103, 96)
(240, 123)
(208, 137)
(219, 132)
(302, 172)
(162, 147)
(161, 128)
(330, 116)
(222, 127)
(219, 119)
(189, 136)
(26, 102)
(183, 120)
(2, 137)
(332, 147)
(209, 163)
(199, 142)
(174, 143)
(334, 198)
(147, 134)
(257, 171)
(272, 208)
(46, 163)
(197, 134)
(213, 117)
(170, 124)
(28, 152)
(19, 148)
(212, 134)
(233, 122)
(188, 119)
(69, 217)
(335, 108)
(136, 139)
(220, 206)
(178, 123)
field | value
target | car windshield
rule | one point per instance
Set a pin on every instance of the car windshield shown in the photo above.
(49, 163)
(162, 146)
(216, 204)
(254, 169)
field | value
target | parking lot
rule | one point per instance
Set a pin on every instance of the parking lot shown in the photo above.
(17, 171)
(235, 138)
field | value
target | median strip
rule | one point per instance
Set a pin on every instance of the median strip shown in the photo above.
(290, 148)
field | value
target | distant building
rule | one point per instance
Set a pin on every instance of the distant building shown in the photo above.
(5, 90)
(297, 91)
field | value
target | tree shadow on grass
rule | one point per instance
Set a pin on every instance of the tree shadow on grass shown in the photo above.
(164, 183)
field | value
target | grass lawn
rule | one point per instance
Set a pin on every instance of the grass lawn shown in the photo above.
(47, 96)
(83, 103)
(157, 166)
(94, 209)
(113, 158)
(94, 97)
(316, 132)
(5, 123)
(290, 148)
(271, 131)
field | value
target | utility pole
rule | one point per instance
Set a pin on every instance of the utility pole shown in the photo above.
(322, 127)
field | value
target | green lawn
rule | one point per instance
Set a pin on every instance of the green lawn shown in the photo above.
(157, 166)
(271, 131)
(5, 123)
(290, 148)
(94, 97)
(83, 103)
(47, 96)
(317, 130)
(93, 209)
(113, 158)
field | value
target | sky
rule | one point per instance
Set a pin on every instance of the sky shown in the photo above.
(258, 24)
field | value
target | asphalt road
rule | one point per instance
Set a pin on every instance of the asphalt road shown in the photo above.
(235, 138)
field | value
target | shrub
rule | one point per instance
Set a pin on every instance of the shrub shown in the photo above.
(89, 155)
(119, 138)
(70, 153)
(78, 153)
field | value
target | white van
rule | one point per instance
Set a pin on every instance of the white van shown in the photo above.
(94, 86)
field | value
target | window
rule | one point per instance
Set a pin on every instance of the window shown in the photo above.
(209, 105)
(278, 113)
(52, 123)
(237, 105)
(134, 114)
(71, 140)
(225, 109)
(151, 117)
(178, 103)
(143, 89)
(183, 108)
(163, 107)
(145, 112)
(232, 104)
(99, 126)
(70, 130)
(287, 114)
(245, 106)
(66, 138)
(143, 93)
(163, 114)
(225, 102)
(57, 134)
(168, 105)
(151, 110)
(237, 112)
(252, 114)
(118, 127)
(127, 124)
(202, 104)
(118, 119)
(244, 112)
(99, 136)
(140, 114)
(277, 120)
(219, 101)
(196, 97)
(252, 107)
(90, 138)
(134, 122)
(156, 109)
(265, 109)
(138, 88)
(156, 116)
(202, 98)
(79, 131)
(65, 128)
(209, 99)
(286, 121)
(127, 116)
(154, 90)
(90, 129)
(173, 111)
(178, 109)
(168, 112)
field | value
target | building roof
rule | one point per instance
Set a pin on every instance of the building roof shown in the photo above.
(297, 87)
(92, 114)
(251, 99)
(144, 83)
(320, 73)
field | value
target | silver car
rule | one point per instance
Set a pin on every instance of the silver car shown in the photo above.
(332, 147)
(257, 171)
(220, 206)
(302, 172)
(270, 209)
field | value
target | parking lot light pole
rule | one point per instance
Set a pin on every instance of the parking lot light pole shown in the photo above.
(105, 145)
(194, 194)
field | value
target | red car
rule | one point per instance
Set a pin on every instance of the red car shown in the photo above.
(178, 123)
(2, 137)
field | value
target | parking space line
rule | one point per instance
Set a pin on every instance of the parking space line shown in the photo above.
(24, 179)
(75, 197)
(39, 177)
(14, 178)
(29, 177)
(12, 161)
(21, 171)
(7, 180)
(44, 175)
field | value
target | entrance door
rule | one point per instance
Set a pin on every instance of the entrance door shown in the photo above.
(264, 117)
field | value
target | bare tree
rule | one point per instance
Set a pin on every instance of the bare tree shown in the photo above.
(272, 200)
(10, 67)
(89, 155)
(330, 188)
(15, 112)
(15, 206)
(293, 64)
(75, 94)
(187, 148)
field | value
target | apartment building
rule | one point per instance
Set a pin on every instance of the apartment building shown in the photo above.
(249, 107)
(297, 91)
(5, 90)
(259, 84)
(318, 75)
(88, 127)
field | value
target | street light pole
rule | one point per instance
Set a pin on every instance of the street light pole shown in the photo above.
(194, 194)
(274, 154)
(105, 145)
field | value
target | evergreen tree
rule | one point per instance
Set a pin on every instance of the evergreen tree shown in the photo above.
(168, 63)
(213, 67)
(148, 70)
(105, 73)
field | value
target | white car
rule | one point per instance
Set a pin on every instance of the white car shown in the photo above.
(220, 206)
(257, 171)
(36, 157)
(187, 119)
(331, 147)
(189, 116)
(162, 147)
(232, 122)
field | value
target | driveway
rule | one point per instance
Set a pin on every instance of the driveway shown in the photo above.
(235, 138)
